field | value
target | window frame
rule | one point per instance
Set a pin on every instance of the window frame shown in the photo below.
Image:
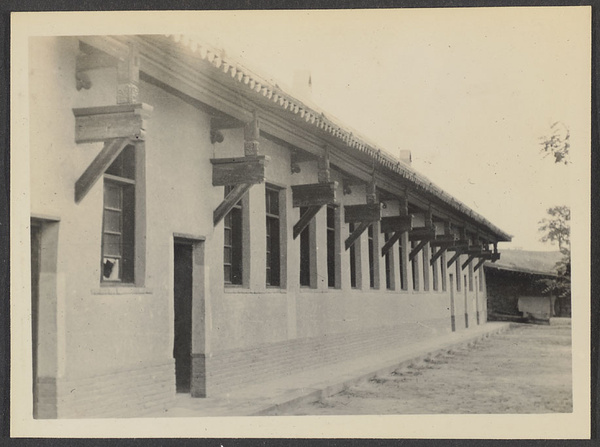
(125, 175)
(239, 209)
(270, 219)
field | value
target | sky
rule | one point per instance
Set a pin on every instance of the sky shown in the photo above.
(468, 91)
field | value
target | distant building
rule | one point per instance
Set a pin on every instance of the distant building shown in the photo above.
(195, 229)
(515, 287)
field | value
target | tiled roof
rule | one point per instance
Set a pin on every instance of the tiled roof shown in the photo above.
(532, 262)
(259, 85)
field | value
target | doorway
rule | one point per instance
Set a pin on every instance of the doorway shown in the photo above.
(183, 294)
(36, 247)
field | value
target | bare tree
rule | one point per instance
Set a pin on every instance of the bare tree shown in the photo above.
(557, 143)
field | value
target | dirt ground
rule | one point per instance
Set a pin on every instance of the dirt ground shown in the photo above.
(525, 370)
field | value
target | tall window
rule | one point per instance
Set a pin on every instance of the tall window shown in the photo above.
(458, 274)
(305, 237)
(353, 260)
(273, 239)
(425, 256)
(443, 270)
(470, 276)
(331, 250)
(371, 257)
(232, 244)
(118, 221)
(436, 274)
(389, 274)
(403, 278)
(415, 268)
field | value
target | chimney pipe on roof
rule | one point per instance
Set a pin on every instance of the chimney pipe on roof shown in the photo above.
(405, 157)
(303, 84)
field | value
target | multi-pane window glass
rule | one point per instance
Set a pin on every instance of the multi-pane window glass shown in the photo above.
(415, 269)
(273, 239)
(305, 253)
(425, 268)
(458, 274)
(353, 282)
(402, 266)
(232, 244)
(118, 221)
(331, 254)
(371, 257)
(388, 265)
(436, 274)
(443, 271)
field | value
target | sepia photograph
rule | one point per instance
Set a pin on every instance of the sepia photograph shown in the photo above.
(318, 223)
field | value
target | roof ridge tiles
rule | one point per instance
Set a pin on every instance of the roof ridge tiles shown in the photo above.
(312, 113)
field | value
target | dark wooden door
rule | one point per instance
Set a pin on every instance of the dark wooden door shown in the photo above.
(35, 297)
(182, 346)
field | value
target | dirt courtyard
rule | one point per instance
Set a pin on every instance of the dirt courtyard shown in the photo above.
(524, 370)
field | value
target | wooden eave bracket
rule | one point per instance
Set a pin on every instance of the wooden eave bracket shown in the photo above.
(229, 202)
(243, 172)
(312, 196)
(397, 225)
(117, 127)
(363, 215)
(239, 170)
(111, 150)
(95, 124)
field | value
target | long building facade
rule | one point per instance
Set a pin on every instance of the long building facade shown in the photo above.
(195, 228)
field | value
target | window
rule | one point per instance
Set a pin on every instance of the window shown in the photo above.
(471, 276)
(331, 248)
(389, 273)
(415, 268)
(273, 239)
(458, 273)
(481, 279)
(436, 275)
(118, 221)
(305, 260)
(425, 252)
(372, 257)
(233, 244)
(354, 261)
(443, 270)
(402, 265)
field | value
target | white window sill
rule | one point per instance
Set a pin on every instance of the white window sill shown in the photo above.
(122, 290)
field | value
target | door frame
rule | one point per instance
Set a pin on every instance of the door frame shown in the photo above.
(199, 340)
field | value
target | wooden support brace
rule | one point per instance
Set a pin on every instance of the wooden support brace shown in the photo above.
(111, 150)
(356, 234)
(415, 251)
(454, 257)
(468, 261)
(390, 242)
(229, 202)
(479, 264)
(305, 219)
(437, 254)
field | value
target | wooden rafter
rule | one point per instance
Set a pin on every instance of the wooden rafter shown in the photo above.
(229, 202)
(111, 150)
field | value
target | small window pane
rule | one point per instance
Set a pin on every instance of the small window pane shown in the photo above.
(112, 221)
(112, 196)
(112, 245)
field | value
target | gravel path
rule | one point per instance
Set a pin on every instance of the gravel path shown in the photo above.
(525, 370)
